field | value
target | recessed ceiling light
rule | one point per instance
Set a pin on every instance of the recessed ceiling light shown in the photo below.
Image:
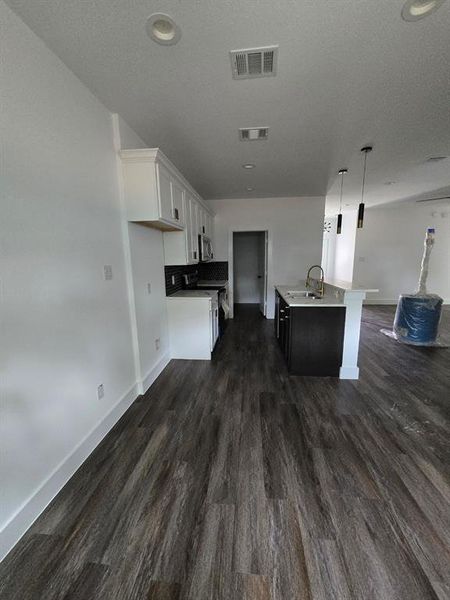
(163, 29)
(248, 166)
(414, 10)
(249, 189)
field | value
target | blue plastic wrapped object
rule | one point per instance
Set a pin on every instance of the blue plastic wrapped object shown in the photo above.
(417, 318)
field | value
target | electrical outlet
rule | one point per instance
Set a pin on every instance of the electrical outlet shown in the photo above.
(173, 279)
(107, 272)
(149, 288)
(100, 391)
(157, 343)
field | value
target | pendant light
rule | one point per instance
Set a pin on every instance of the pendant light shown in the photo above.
(342, 172)
(366, 151)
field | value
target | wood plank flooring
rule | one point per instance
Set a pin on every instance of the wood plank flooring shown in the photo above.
(231, 480)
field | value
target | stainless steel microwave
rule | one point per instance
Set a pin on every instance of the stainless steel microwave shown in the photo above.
(205, 251)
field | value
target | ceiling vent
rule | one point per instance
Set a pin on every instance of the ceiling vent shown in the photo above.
(254, 62)
(253, 134)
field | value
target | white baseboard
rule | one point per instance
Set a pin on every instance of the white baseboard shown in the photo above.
(349, 373)
(154, 372)
(30, 510)
(387, 301)
(391, 301)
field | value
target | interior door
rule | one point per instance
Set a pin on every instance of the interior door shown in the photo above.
(263, 245)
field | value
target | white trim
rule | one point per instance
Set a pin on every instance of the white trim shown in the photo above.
(127, 255)
(231, 266)
(392, 301)
(349, 373)
(30, 510)
(155, 371)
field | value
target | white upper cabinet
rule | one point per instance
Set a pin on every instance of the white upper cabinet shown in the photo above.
(153, 189)
(156, 194)
(178, 208)
(165, 194)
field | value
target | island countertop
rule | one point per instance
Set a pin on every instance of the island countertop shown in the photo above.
(330, 298)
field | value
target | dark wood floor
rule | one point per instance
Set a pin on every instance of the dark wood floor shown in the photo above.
(232, 480)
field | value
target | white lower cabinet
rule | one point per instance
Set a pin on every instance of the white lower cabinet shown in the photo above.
(193, 325)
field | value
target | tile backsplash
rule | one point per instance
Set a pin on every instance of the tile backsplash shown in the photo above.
(208, 271)
(213, 270)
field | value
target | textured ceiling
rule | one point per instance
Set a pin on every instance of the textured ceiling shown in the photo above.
(350, 72)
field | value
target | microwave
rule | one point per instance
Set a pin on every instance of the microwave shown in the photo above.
(205, 251)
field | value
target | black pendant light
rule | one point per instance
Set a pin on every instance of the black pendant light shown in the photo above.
(366, 151)
(342, 172)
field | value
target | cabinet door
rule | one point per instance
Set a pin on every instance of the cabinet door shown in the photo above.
(201, 220)
(191, 248)
(165, 194)
(208, 225)
(177, 202)
(277, 314)
(194, 230)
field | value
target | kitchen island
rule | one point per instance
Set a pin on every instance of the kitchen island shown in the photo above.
(319, 335)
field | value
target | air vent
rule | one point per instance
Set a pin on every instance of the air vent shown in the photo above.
(254, 62)
(253, 134)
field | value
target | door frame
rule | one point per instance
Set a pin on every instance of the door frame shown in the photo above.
(268, 266)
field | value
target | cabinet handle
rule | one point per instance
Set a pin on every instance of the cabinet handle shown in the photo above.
(195, 255)
(203, 227)
(176, 214)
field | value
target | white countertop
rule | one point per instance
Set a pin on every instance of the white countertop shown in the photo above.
(349, 286)
(199, 294)
(212, 282)
(329, 299)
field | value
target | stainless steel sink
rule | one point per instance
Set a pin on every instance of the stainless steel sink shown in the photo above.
(299, 294)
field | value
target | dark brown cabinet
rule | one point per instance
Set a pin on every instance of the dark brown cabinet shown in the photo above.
(311, 338)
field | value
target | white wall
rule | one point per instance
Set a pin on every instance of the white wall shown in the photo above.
(339, 250)
(389, 250)
(295, 228)
(246, 267)
(64, 329)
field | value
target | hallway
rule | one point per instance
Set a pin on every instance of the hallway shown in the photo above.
(231, 480)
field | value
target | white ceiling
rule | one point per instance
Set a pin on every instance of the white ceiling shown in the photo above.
(350, 72)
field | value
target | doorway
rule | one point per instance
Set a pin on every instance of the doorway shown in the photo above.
(249, 282)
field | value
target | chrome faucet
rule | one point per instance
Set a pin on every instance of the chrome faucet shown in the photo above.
(309, 280)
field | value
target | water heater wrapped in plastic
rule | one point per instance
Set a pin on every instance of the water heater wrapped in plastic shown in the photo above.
(417, 318)
(418, 315)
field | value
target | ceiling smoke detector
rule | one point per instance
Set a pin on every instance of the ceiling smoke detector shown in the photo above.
(162, 29)
(254, 62)
(414, 10)
(253, 134)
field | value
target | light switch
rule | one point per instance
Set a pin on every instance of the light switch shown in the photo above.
(107, 271)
